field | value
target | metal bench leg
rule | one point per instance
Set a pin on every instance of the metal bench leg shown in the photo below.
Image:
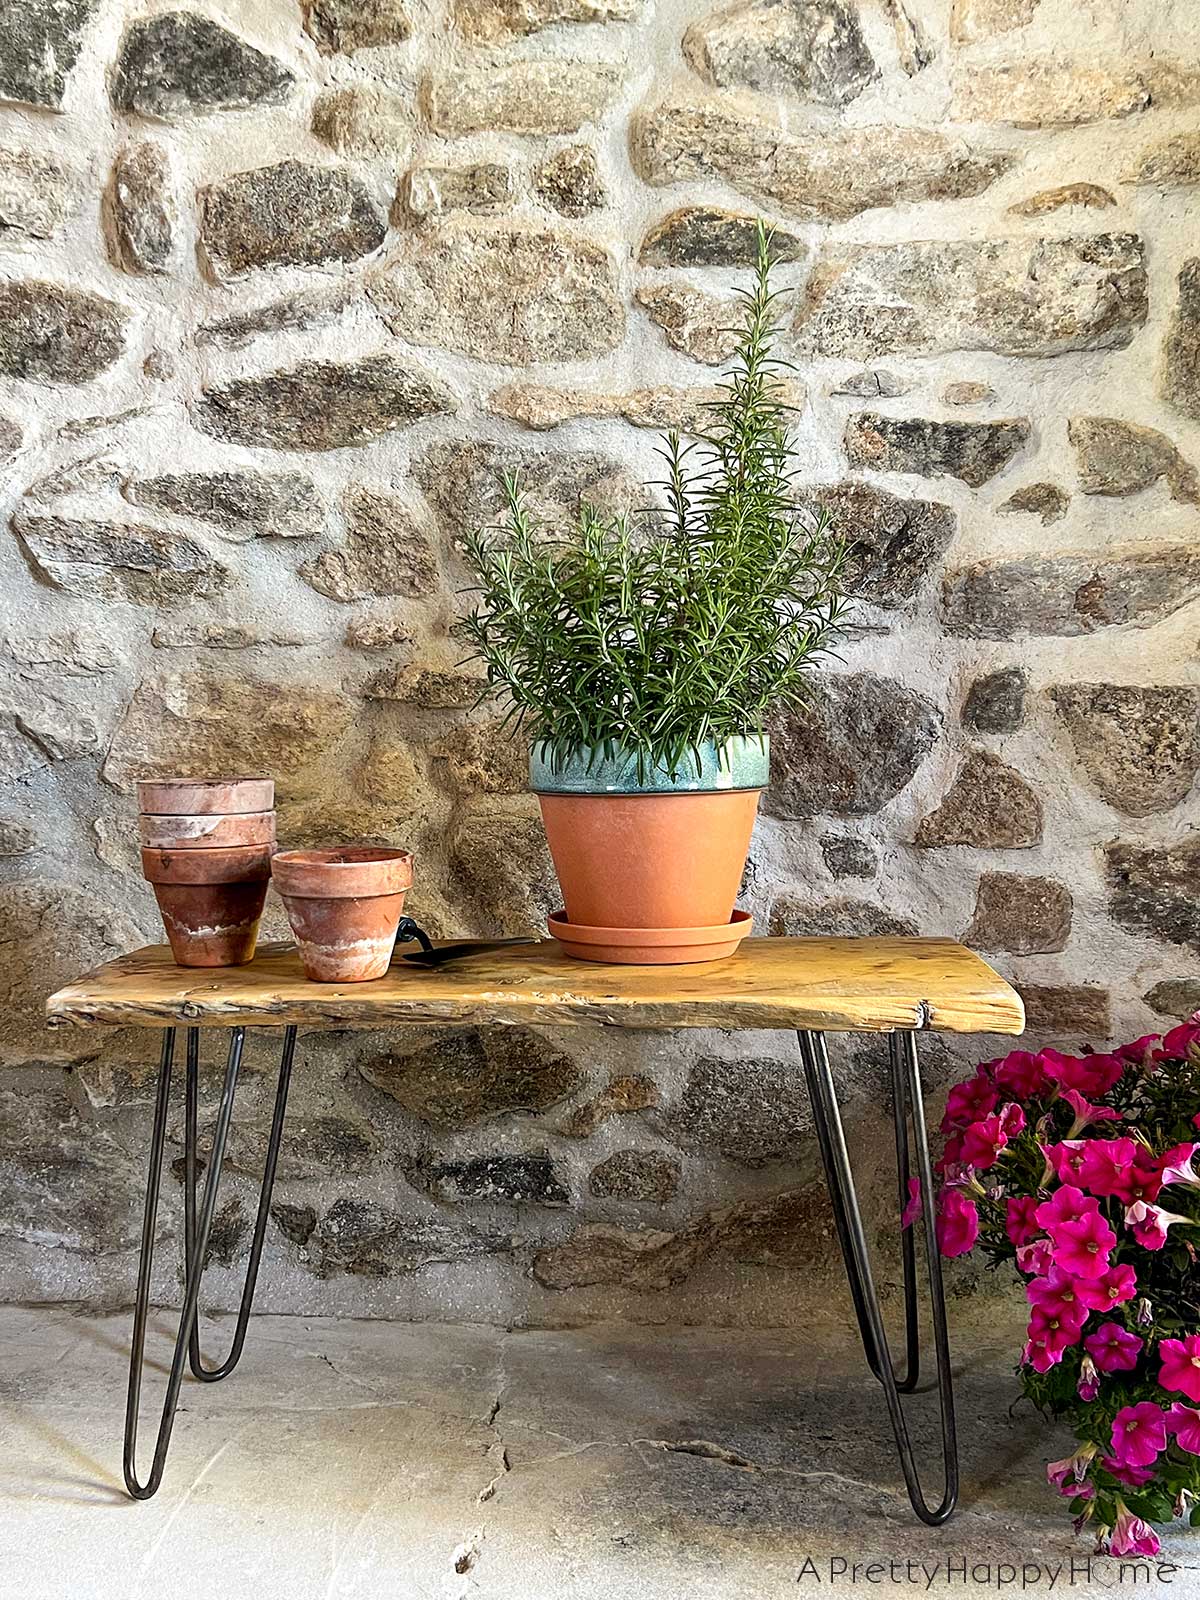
(191, 1292)
(193, 1264)
(908, 1100)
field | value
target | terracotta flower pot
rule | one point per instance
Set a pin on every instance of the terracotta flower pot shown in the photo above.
(189, 797)
(211, 901)
(207, 832)
(653, 851)
(343, 906)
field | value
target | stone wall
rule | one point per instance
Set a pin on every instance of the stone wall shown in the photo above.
(284, 289)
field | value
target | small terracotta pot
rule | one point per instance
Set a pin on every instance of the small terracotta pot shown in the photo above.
(205, 832)
(343, 906)
(211, 901)
(190, 797)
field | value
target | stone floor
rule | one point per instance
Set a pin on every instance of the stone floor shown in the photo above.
(432, 1462)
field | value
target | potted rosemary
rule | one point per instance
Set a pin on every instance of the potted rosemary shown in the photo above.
(644, 656)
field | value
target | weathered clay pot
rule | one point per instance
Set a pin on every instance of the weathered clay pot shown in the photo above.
(189, 797)
(211, 901)
(205, 832)
(343, 906)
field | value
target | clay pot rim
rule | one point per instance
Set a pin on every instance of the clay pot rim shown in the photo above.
(261, 796)
(353, 871)
(239, 863)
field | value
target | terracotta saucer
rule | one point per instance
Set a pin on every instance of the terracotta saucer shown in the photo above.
(650, 947)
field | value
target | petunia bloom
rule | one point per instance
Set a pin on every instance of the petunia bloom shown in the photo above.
(968, 1102)
(1066, 1159)
(1135, 1477)
(1184, 1423)
(1048, 1337)
(1020, 1224)
(1139, 1434)
(1082, 1248)
(913, 1208)
(1065, 1205)
(1021, 1074)
(957, 1224)
(1180, 1369)
(1175, 1166)
(1088, 1386)
(1142, 1180)
(1131, 1536)
(1113, 1348)
(1035, 1258)
(1118, 1285)
(1149, 1224)
(1103, 1164)
(983, 1141)
(1091, 1076)
(1181, 1041)
(1086, 1113)
(1056, 1295)
(1140, 1050)
(1071, 1467)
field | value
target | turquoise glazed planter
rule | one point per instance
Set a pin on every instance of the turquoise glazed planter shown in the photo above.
(742, 763)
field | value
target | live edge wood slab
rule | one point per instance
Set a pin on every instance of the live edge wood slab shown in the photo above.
(838, 985)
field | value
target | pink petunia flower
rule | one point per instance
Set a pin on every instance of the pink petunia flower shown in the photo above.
(1113, 1348)
(1066, 1158)
(913, 1209)
(1180, 1369)
(1076, 1466)
(1020, 1224)
(1184, 1423)
(1086, 1113)
(1131, 1536)
(951, 1155)
(1181, 1041)
(1118, 1285)
(1149, 1224)
(1082, 1248)
(1048, 1337)
(1103, 1164)
(1135, 1477)
(1140, 1051)
(1139, 1434)
(957, 1224)
(1143, 1179)
(1092, 1076)
(983, 1141)
(1088, 1386)
(1036, 1258)
(1175, 1166)
(1065, 1205)
(968, 1102)
(1021, 1074)
(1055, 1294)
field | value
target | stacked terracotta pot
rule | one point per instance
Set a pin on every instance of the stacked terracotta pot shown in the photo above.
(207, 845)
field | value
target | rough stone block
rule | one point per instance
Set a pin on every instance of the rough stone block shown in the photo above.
(1017, 297)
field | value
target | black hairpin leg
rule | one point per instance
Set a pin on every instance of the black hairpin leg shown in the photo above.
(908, 1101)
(194, 1264)
(196, 1237)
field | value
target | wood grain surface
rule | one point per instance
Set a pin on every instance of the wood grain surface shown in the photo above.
(842, 985)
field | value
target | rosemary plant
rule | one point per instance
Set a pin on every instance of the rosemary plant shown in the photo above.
(653, 634)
